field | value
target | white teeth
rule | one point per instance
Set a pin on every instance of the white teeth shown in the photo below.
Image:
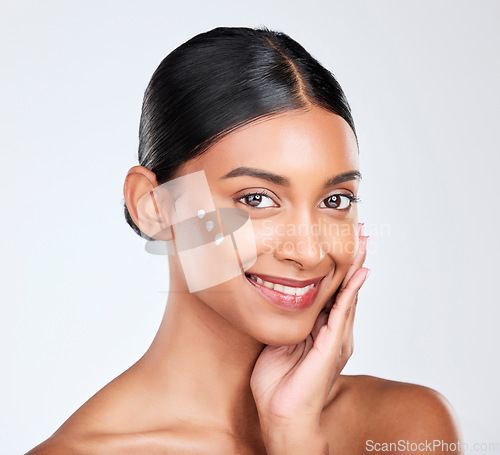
(280, 288)
(302, 291)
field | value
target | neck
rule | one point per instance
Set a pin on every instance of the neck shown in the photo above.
(199, 367)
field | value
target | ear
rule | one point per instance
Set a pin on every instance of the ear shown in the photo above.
(142, 203)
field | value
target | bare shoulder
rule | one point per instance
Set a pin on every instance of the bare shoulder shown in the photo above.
(84, 432)
(375, 410)
(57, 446)
(181, 441)
(64, 443)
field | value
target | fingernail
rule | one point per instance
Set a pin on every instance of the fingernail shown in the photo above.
(361, 228)
(367, 274)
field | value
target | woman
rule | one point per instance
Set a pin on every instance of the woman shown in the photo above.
(247, 122)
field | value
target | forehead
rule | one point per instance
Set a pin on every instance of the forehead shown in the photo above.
(315, 141)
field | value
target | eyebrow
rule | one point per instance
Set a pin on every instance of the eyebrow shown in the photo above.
(283, 181)
(344, 177)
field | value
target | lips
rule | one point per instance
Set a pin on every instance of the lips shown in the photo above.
(285, 293)
(287, 281)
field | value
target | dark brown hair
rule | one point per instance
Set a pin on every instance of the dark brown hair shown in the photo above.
(221, 80)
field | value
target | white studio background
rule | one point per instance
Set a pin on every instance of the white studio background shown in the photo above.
(81, 299)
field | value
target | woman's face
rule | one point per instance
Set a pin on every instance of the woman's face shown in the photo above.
(297, 177)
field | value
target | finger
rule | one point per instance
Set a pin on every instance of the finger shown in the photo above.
(356, 265)
(348, 340)
(323, 359)
(342, 320)
(352, 314)
(358, 261)
(348, 343)
(321, 320)
(341, 310)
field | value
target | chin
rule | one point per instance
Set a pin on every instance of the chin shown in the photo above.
(250, 311)
(282, 341)
(286, 335)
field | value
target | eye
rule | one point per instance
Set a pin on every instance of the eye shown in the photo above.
(258, 200)
(339, 201)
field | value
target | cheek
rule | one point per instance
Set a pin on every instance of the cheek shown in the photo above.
(343, 249)
(266, 235)
(343, 246)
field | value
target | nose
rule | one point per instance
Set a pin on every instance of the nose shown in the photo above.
(297, 240)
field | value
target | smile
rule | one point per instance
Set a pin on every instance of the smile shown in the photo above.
(280, 288)
(285, 293)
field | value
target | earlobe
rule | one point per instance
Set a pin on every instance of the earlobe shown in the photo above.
(142, 204)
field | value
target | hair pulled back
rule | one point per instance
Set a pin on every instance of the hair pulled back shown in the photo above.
(219, 81)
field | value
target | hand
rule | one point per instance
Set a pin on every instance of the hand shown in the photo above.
(290, 384)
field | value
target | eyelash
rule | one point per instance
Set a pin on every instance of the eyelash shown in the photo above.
(254, 193)
(352, 199)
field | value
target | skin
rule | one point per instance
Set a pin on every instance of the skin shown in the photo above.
(228, 372)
